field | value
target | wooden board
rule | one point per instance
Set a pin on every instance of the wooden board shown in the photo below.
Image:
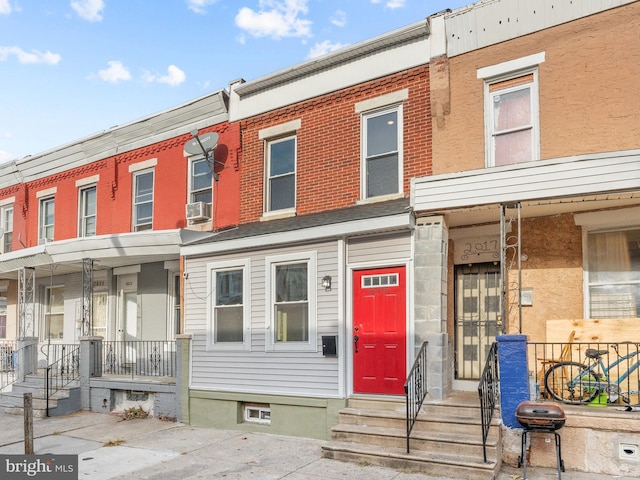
(608, 330)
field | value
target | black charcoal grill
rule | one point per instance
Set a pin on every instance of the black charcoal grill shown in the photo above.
(537, 417)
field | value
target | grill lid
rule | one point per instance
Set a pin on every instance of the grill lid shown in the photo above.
(542, 416)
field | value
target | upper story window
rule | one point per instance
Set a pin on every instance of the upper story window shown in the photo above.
(291, 319)
(201, 182)
(87, 209)
(614, 273)
(47, 217)
(229, 310)
(6, 212)
(143, 200)
(512, 125)
(382, 162)
(281, 174)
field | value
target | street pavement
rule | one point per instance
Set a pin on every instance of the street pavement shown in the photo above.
(112, 448)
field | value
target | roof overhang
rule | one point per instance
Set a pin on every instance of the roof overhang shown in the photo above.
(107, 251)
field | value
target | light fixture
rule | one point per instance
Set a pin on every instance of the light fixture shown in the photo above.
(326, 283)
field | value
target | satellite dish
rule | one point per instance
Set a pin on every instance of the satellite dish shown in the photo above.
(201, 144)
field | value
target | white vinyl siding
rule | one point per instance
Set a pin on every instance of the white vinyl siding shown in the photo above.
(379, 249)
(306, 373)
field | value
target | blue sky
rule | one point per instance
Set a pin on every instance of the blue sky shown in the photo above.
(71, 68)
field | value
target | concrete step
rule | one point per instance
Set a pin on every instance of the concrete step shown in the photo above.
(467, 445)
(433, 464)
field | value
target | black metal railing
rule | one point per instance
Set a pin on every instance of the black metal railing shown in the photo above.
(8, 364)
(139, 358)
(52, 352)
(489, 392)
(415, 389)
(586, 372)
(63, 371)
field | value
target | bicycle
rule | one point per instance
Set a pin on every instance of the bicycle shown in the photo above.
(575, 383)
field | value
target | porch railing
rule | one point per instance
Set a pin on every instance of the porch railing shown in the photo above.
(415, 389)
(139, 358)
(52, 352)
(615, 372)
(63, 371)
(489, 392)
(8, 364)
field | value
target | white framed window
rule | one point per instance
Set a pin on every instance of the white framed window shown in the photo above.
(229, 307)
(613, 278)
(53, 313)
(87, 207)
(200, 181)
(143, 200)
(291, 302)
(281, 174)
(6, 212)
(47, 218)
(382, 169)
(175, 306)
(3, 315)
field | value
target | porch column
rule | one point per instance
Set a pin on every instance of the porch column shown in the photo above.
(514, 379)
(183, 350)
(430, 302)
(90, 365)
(27, 356)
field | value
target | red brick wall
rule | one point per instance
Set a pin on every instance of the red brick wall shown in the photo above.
(328, 143)
(114, 190)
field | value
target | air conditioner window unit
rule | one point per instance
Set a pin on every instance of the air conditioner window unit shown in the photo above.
(42, 241)
(198, 211)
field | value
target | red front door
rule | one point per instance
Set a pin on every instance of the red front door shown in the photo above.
(379, 331)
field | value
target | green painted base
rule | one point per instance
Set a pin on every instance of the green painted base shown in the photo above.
(280, 415)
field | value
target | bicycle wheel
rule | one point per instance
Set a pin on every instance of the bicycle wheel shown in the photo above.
(571, 382)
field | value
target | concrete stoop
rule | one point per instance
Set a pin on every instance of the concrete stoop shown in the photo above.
(446, 440)
(64, 402)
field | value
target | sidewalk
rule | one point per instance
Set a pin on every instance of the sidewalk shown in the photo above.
(110, 448)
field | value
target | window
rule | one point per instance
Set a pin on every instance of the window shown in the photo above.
(512, 120)
(201, 181)
(7, 225)
(229, 311)
(143, 200)
(382, 169)
(47, 214)
(614, 273)
(54, 313)
(3, 314)
(174, 279)
(292, 294)
(87, 204)
(281, 168)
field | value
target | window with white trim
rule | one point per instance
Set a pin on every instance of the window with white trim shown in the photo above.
(200, 181)
(281, 174)
(3, 317)
(382, 152)
(6, 212)
(614, 273)
(291, 287)
(143, 200)
(87, 211)
(53, 313)
(47, 217)
(229, 305)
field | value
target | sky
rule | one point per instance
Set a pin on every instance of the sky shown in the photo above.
(73, 68)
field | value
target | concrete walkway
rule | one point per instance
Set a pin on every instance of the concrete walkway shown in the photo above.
(111, 448)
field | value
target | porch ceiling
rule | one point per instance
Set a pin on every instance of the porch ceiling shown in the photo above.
(538, 208)
(107, 251)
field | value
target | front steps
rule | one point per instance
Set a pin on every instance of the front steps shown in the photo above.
(446, 440)
(64, 402)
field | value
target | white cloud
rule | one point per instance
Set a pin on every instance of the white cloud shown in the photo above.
(323, 48)
(199, 6)
(115, 73)
(275, 19)
(6, 156)
(5, 7)
(392, 4)
(29, 57)
(339, 19)
(174, 76)
(89, 9)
